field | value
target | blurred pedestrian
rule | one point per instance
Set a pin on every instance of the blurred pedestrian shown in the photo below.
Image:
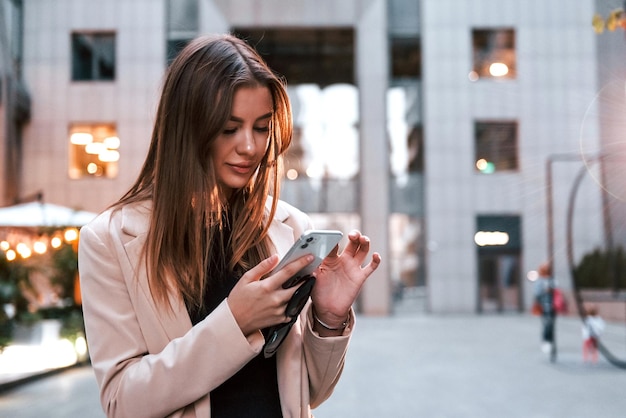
(544, 299)
(174, 304)
(593, 326)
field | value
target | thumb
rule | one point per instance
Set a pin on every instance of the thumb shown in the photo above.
(260, 270)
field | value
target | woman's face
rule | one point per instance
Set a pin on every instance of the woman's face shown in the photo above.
(239, 148)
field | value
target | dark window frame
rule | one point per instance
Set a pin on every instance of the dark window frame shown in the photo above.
(406, 57)
(318, 55)
(496, 142)
(90, 59)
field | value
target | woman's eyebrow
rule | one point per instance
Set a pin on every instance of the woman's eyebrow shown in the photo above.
(238, 119)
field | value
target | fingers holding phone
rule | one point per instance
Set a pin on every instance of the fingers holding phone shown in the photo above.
(257, 303)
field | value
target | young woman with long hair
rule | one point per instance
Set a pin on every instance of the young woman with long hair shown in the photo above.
(177, 281)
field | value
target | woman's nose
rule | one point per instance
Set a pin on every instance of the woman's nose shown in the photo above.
(247, 144)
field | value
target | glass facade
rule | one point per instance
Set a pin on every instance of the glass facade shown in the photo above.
(322, 164)
(406, 148)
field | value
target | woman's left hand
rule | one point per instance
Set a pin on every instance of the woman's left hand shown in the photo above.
(340, 277)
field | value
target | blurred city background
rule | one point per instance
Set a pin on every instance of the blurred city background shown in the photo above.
(471, 140)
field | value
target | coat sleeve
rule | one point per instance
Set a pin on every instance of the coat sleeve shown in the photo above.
(135, 378)
(325, 358)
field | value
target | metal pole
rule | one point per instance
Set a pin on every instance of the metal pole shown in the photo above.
(550, 202)
(549, 215)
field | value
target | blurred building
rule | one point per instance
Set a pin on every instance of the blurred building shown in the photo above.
(427, 124)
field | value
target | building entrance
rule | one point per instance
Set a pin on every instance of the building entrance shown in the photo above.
(499, 259)
(499, 283)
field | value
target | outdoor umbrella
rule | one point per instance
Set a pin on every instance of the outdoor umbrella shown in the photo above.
(37, 214)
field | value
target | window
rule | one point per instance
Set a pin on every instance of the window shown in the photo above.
(405, 58)
(93, 151)
(494, 54)
(496, 146)
(404, 130)
(182, 25)
(93, 56)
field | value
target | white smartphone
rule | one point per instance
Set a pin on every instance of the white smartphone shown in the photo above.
(317, 242)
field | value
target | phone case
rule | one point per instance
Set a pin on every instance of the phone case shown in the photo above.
(277, 333)
(317, 242)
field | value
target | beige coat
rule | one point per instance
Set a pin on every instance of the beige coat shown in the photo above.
(151, 363)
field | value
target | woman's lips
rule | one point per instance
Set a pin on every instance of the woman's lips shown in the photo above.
(241, 168)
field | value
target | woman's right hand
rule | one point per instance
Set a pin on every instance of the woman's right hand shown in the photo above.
(256, 303)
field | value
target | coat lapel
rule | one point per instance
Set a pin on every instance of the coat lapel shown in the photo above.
(135, 224)
(281, 234)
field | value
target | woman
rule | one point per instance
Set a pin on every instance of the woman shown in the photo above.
(173, 299)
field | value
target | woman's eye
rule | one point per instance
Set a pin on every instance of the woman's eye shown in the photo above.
(229, 131)
(262, 129)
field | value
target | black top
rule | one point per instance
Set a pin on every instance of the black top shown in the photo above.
(253, 390)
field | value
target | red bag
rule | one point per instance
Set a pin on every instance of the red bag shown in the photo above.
(560, 303)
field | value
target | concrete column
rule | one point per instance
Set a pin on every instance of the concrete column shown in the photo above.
(5, 106)
(372, 79)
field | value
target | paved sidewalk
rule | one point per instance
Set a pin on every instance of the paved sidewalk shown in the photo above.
(420, 365)
(474, 366)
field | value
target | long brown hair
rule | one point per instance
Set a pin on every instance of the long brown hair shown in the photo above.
(178, 176)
